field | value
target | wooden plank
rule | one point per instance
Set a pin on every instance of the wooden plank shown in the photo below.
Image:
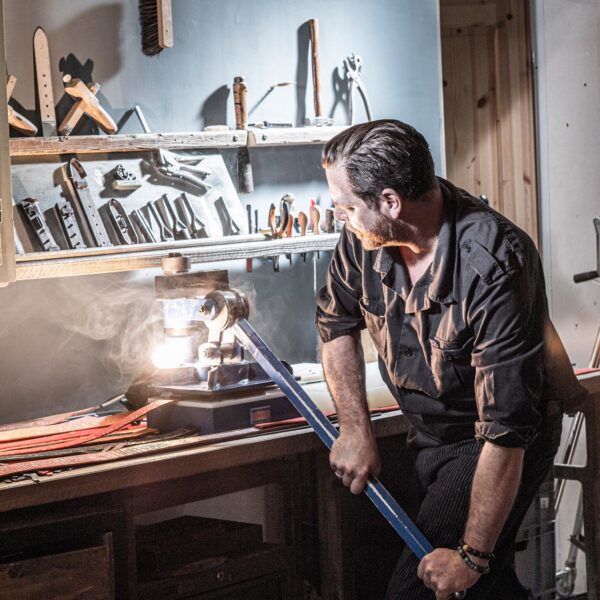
(104, 478)
(287, 136)
(38, 266)
(7, 242)
(82, 573)
(464, 15)
(91, 144)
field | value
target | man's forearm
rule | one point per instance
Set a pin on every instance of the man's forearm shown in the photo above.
(344, 369)
(495, 486)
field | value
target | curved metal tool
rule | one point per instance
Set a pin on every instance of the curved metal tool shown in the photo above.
(353, 67)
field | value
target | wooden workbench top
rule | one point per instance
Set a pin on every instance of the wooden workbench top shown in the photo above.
(128, 473)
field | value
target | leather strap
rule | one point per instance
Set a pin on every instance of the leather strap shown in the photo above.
(44, 82)
(89, 435)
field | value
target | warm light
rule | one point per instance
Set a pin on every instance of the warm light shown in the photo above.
(174, 352)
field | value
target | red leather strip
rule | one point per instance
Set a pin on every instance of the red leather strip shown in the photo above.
(84, 437)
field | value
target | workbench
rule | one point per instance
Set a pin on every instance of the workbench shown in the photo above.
(107, 498)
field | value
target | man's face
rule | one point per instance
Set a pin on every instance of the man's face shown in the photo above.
(372, 228)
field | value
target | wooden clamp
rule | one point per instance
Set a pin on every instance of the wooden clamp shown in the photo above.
(85, 103)
(15, 119)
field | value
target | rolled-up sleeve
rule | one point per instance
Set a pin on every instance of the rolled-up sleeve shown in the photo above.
(508, 356)
(338, 309)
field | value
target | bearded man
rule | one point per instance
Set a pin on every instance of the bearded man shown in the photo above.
(453, 297)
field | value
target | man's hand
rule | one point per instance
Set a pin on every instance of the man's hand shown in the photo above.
(354, 456)
(444, 572)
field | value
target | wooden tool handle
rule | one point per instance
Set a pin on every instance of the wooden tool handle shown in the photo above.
(240, 99)
(10, 85)
(302, 222)
(20, 123)
(290, 225)
(313, 25)
(315, 219)
(165, 23)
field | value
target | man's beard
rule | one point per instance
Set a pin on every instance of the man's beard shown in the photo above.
(383, 232)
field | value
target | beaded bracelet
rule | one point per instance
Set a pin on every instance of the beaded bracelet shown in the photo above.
(478, 553)
(474, 566)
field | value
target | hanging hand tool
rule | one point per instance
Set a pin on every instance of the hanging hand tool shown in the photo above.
(180, 230)
(227, 223)
(230, 309)
(240, 98)
(66, 217)
(142, 224)
(302, 225)
(83, 195)
(183, 168)
(124, 179)
(156, 20)
(581, 277)
(195, 225)
(318, 120)
(284, 215)
(329, 220)
(44, 82)
(353, 67)
(15, 119)
(161, 208)
(315, 219)
(164, 233)
(35, 218)
(272, 222)
(121, 223)
(85, 103)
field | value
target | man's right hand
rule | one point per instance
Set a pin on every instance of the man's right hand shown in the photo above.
(354, 456)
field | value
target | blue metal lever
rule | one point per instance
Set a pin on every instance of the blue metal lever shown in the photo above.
(374, 489)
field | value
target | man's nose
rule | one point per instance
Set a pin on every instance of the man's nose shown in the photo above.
(340, 214)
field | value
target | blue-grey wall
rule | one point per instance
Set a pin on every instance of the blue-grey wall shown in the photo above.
(71, 342)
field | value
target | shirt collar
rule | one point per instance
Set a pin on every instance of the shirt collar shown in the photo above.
(437, 283)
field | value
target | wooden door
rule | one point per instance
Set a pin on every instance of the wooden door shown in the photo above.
(488, 104)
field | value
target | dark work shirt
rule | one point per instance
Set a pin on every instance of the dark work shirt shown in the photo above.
(465, 350)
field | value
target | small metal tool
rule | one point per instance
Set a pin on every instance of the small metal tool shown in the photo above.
(185, 208)
(142, 224)
(35, 217)
(353, 67)
(164, 233)
(121, 223)
(227, 223)
(183, 168)
(68, 223)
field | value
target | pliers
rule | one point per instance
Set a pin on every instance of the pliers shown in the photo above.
(183, 167)
(353, 66)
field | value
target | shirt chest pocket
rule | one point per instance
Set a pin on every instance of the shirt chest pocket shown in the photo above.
(374, 315)
(451, 365)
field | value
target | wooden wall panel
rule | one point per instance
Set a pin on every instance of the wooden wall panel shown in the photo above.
(488, 104)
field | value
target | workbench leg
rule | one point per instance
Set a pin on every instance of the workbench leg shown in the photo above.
(591, 500)
(335, 528)
(129, 590)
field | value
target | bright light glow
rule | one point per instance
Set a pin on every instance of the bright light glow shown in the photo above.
(174, 352)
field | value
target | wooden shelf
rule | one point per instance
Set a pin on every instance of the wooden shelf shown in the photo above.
(94, 144)
(291, 136)
(42, 265)
(97, 144)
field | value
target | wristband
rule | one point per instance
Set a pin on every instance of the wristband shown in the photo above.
(474, 566)
(478, 553)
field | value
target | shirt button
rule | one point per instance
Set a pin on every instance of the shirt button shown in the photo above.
(408, 352)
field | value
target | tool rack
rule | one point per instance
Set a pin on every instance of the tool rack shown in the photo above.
(36, 265)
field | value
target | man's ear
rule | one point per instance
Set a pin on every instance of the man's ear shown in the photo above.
(390, 203)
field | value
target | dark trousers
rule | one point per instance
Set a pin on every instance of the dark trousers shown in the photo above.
(446, 474)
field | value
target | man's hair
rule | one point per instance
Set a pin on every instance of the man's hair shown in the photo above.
(382, 154)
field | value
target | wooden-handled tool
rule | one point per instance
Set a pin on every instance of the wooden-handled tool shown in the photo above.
(85, 103)
(313, 25)
(44, 82)
(318, 120)
(156, 17)
(240, 99)
(315, 219)
(15, 119)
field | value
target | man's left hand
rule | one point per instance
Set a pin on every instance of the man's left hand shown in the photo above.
(444, 572)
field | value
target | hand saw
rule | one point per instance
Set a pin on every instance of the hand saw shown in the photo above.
(44, 82)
